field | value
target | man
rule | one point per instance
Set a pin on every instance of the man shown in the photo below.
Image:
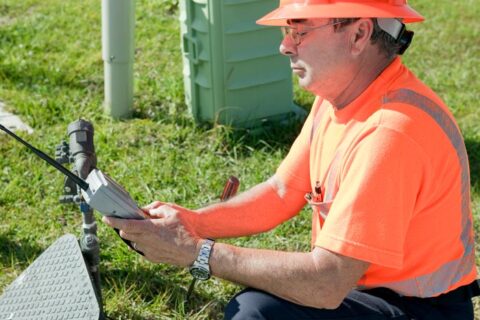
(384, 167)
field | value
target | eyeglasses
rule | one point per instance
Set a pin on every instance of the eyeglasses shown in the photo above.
(296, 35)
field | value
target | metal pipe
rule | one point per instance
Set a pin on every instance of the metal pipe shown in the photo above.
(118, 22)
(82, 154)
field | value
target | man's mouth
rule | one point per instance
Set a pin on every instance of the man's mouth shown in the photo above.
(297, 70)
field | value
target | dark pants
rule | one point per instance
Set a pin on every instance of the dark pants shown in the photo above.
(375, 304)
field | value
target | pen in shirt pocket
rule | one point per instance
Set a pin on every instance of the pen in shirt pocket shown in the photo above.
(315, 197)
(318, 195)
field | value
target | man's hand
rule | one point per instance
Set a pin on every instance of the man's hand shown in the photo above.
(166, 238)
(158, 209)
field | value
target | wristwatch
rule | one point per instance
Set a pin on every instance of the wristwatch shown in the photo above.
(200, 269)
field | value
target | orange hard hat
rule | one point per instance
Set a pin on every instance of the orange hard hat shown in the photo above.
(310, 9)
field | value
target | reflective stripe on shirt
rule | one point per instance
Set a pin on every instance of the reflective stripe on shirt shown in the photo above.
(450, 273)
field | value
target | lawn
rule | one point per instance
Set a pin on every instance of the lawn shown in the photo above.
(51, 73)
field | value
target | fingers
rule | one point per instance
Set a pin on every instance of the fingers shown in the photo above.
(135, 246)
(132, 237)
(152, 205)
(159, 209)
(127, 225)
(155, 210)
(162, 211)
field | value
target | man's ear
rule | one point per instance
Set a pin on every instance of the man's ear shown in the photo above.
(361, 32)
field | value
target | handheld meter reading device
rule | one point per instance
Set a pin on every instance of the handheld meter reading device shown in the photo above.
(99, 190)
(109, 198)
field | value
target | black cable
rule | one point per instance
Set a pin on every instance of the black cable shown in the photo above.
(80, 182)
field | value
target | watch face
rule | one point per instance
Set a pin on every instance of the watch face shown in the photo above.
(199, 273)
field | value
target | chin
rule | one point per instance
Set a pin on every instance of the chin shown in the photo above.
(307, 85)
(315, 89)
(304, 82)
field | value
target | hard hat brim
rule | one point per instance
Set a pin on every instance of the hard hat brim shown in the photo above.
(279, 16)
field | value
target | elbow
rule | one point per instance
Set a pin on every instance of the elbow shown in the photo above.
(332, 302)
(328, 303)
(332, 296)
(329, 298)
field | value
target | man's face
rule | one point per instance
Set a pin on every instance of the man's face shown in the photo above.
(319, 56)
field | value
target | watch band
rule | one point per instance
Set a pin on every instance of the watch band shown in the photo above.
(205, 251)
(200, 269)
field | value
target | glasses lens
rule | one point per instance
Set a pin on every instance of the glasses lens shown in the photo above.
(290, 32)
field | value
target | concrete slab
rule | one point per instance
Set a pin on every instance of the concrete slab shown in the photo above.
(12, 121)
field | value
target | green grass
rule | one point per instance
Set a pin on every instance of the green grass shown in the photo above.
(51, 73)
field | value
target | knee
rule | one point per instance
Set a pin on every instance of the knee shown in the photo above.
(250, 304)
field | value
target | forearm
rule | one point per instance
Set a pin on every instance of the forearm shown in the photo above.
(293, 276)
(259, 209)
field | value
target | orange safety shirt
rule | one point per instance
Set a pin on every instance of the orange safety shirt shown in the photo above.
(388, 179)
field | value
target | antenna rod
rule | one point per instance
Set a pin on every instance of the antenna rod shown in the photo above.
(80, 182)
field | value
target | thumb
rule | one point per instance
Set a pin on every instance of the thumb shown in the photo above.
(127, 225)
(152, 205)
(162, 211)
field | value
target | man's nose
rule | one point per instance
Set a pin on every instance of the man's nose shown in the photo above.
(288, 47)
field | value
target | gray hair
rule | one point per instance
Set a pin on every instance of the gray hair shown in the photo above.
(385, 42)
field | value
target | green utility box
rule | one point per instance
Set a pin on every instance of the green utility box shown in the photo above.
(233, 71)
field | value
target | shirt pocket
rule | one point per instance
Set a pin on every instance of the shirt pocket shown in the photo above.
(321, 208)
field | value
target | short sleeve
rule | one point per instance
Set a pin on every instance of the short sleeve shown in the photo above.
(379, 181)
(294, 171)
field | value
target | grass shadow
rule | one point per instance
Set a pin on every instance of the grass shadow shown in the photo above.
(269, 136)
(18, 251)
(473, 149)
(274, 133)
